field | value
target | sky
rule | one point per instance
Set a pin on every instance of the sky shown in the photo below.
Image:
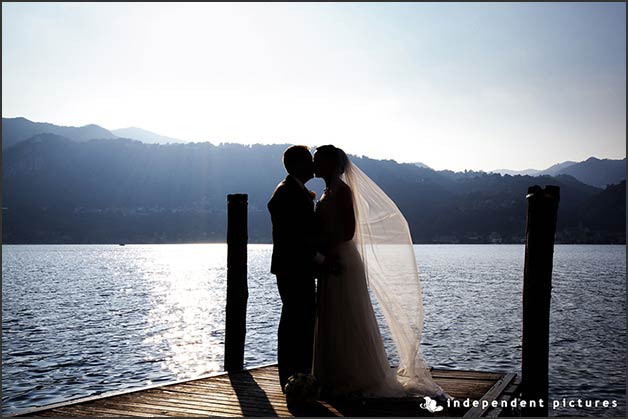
(456, 86)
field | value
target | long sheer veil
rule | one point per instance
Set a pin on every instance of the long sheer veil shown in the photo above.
(384, 242)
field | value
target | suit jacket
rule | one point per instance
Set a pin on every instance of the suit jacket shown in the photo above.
(294, 233)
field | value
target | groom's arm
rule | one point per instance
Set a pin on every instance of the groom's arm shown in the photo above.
(319, 258)
(293, 227)
(285, 226)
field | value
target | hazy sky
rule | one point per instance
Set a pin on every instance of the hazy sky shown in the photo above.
(456, 86)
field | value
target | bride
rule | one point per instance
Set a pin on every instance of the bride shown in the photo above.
(366, 241)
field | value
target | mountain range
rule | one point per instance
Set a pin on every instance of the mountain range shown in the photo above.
(144, 136)
(61, 187)
(592, 171)
(15, 130)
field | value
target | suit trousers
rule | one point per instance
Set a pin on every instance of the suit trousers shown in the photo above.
(295, 340)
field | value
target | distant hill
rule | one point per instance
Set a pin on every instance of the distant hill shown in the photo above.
(597, 172)
(593, 171)
(605, 211)
(57, 190)
(15, 130)
(144, 136)
(557, 168)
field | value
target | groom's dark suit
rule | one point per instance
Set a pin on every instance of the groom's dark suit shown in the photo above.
(294, 248)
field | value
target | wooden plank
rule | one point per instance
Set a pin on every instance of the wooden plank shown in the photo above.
(101, 411)
(466, 389)
(472, 375)
(232, 387)
(189, 393)
(166, 403)
(466, 382)
(181, 393)
(215, 402)
(138, 407)
(268, 406)
(490, 395)
(239, 394)
(182, 409)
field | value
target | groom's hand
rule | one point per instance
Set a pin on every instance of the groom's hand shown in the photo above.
(318, 264)
(319, 258)
(333, 266)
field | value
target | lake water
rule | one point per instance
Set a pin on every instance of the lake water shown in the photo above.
(79, 320)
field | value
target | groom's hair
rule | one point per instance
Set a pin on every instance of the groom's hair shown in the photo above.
(295, 156)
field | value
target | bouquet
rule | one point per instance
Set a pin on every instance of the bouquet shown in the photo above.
(302, 388)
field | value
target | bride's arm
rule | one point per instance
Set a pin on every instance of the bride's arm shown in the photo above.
(348, 216)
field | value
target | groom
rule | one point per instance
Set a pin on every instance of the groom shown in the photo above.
(293, 262)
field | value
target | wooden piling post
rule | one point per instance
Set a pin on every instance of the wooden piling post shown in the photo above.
(537, 286)
(237, 288)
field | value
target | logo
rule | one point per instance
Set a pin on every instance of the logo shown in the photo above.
(430, 405)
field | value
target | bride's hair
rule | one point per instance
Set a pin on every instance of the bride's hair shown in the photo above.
(337, 155)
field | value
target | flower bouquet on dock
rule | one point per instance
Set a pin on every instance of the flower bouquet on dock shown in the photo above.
(302, 389)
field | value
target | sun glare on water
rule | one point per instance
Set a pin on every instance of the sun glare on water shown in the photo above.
(189, 287)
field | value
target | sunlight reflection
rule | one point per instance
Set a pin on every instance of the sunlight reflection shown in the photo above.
(188, 297)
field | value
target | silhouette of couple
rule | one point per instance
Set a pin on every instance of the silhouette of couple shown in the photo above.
(326, 255)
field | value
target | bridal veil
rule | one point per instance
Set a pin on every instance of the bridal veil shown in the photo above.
(384, 242)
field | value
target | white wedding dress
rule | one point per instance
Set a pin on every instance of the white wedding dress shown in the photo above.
(349, 354)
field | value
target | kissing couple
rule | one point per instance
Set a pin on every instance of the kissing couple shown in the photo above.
(326, 257)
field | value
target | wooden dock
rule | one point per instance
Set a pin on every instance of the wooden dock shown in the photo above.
(256, 392)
